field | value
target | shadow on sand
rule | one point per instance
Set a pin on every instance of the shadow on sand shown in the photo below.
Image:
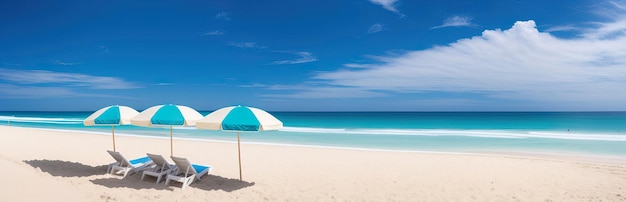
(133, 181)
(214, 182)
(209, 182)
(66, 169)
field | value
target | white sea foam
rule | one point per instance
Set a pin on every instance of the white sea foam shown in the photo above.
(468, 133)
(42, 120)
(577, 136)
(312, 130)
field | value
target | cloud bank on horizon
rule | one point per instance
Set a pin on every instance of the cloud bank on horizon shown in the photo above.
(518, 64)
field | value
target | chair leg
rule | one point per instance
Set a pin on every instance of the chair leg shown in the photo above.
(110, 167)
(112, 170)
(185, 184)
(127, 171)
(188, 181)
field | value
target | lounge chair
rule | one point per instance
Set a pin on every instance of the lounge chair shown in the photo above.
(161, 168)
(186, 172)
(124, 166)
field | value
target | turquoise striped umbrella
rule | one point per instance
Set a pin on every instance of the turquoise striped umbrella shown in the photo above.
(114, 115)
(239, 118)
(167, 115)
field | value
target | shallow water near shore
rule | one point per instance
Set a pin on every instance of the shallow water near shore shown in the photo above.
(592, 133)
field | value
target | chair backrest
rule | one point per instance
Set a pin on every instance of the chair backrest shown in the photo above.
(184, 165)
(119, 158)
(159, 161)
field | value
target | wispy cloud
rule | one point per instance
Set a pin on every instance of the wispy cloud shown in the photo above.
(213, 33)
(320, 92)
(355, 65)
(16, 91)
(376, 28)
(12, 91)
(456, 21)
(618, 5)
(390, 5)
(103, 49)
(223, 16)
(562, 28)
(68, 79)
(614, 10)
(253, 85)
(246, 45)
(67, 63)
(305, 57)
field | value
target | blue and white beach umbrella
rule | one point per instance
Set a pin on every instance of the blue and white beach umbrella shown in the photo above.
(167, 115)
(114, 115)
(239, 118)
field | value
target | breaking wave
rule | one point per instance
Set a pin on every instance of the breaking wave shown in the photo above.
(42, 120)
(511, 134)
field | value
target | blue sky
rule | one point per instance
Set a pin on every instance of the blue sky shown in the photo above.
(353, 55)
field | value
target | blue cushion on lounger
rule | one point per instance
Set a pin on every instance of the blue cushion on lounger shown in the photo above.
(199, 168)
(140, 160)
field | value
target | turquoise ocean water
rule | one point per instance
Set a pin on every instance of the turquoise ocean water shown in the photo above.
(594, 133)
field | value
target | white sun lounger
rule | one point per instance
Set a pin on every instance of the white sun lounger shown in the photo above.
(161, 168)
(124, 166)
(186, 172)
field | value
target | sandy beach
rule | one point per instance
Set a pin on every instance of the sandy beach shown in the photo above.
(47, 165)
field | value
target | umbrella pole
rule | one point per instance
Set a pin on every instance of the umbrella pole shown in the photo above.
(171, 143)
(239, 153)
(113, 134)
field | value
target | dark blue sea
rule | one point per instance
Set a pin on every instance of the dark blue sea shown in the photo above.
(595, 133)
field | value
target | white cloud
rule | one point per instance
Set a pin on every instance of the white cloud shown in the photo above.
(607, 30)
(246, 45)
(11, 91)
(455, 21)
(67, 63)
(618, 5)
(305, 57)
(253, 85)
(324, 92)
(223, 16)
(614, 10)
(73, 79)
(562, 28)
(388, 4)
(16, 91)
(354, 65)
(103, 49)
(518, 64)
(213, 33)
(376, 28)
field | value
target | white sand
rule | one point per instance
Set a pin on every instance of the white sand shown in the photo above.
(43, 165)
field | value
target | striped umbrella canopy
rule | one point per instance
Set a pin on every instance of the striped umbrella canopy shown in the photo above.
(239, 118)
(114, 115)
(167, 115)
